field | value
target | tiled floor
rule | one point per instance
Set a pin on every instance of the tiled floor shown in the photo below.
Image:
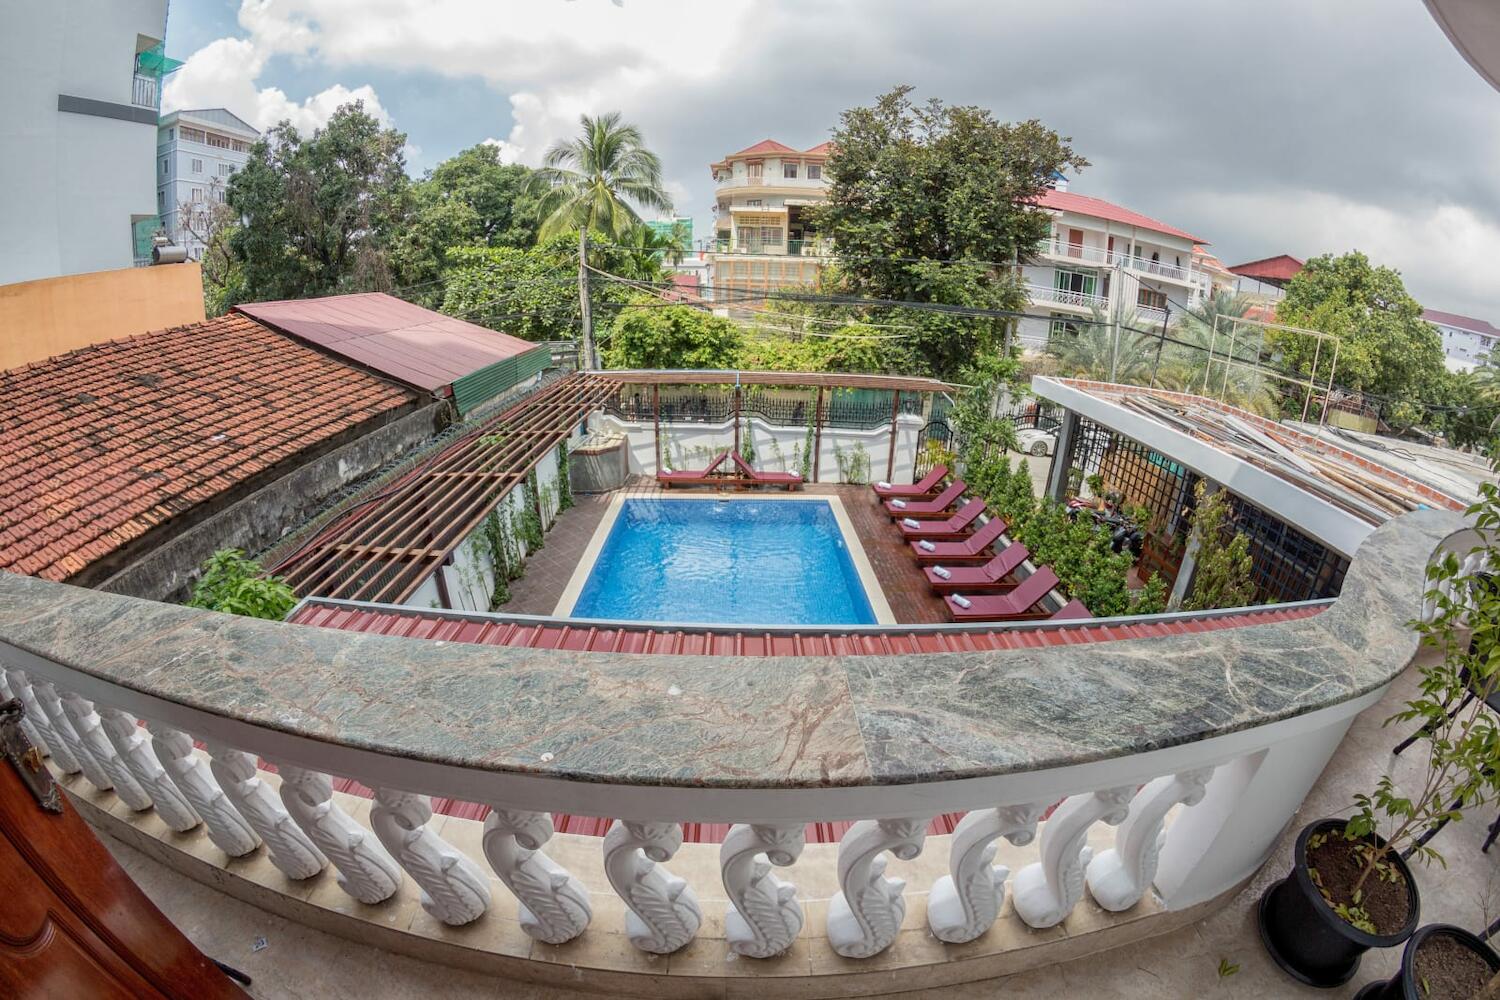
(548, 571)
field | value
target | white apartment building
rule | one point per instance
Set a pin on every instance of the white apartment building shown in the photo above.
(763, 237)
(1106, 258)
(1466, 341)
(196, 153)
(82, 81)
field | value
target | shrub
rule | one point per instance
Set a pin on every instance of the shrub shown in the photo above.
(237, 585)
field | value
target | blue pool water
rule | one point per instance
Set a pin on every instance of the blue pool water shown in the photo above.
(777, 562)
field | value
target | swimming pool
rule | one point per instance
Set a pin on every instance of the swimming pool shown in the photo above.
(762, 562)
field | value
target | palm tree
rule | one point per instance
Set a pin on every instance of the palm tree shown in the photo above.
(1103, 351)
(590, 182)
(1185, 364)
(647, 250)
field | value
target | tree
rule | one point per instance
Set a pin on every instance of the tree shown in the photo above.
(934, 203)
(212, 225)
(656, 336)
(590, 182)
(320, 213)
(1222, 579)
(1104, 351)
(853, 347)
(1385, 346)
(1203, 329)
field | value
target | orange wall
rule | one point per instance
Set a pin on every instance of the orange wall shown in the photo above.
(39, 319)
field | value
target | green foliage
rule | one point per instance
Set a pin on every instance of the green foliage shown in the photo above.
(564, 480)
(747, 442)
(927, 203)
(1184, 365)
(1104, 351)
(237, 585)
(496, 541)
(320, 213)
(853, 347)
(529, 528)
(807, 446)
(854, 464)
(656, 336)
(989, 377)
(1461, 748)
(1222, 579)
(592, 182)
(1227, 968)
(1385, 346)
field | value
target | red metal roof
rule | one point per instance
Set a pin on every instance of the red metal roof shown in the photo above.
(1082, 204)
(1483, 326)
(101, 445)
(1280, 268)
(403, 341)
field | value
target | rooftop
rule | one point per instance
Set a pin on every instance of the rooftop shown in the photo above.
(1469, 323)
(1273, 270)
(1082, 204)
(102, 445)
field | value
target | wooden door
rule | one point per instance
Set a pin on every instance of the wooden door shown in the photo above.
(1075, 242)
(73, 925)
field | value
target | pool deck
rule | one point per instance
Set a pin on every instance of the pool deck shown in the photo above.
(549, 570)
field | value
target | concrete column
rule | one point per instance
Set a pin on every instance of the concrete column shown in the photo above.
(1062, 457)
(1189, 568)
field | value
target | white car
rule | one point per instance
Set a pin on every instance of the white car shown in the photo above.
(1034, 441)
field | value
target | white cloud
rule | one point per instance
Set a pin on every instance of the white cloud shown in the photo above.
(223, 74)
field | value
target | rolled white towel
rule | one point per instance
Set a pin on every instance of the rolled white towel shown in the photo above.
(926, 545)
(940, 571)
(898, 504)
(667, 469)
(883, 485)
(962, 601)
(911, 523)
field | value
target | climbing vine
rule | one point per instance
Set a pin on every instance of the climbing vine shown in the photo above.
(807, 448)
(564, 482)
(854, 464)
(1223, 578)
(530, 516)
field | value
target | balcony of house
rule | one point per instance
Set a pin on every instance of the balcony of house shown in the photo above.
(145, 91)
(1066, 298)
(673, 808)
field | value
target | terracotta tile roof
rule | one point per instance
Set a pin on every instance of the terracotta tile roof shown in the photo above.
(1082, 204)
(764, 146)
(101, 445)
(395, 338)
(821, 149)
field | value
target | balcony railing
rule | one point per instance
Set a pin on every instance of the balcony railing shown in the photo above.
(1156, 268)
(1065, 297)
(1219, 727)
(1150, 313)
(1080, 252)
(788, 248)
(1099, 256)
(145, 91)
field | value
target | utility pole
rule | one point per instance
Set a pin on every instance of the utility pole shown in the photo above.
(586, 358)
(1114, 320)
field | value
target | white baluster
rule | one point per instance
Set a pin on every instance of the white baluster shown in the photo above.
(289, 849)
(132, 745)
(863, 919)
(52, 707)
(764, 918)
(228, 830)
(28, 721)
(1046, 891)
(361, 864)
(664, 914)
(1118, 877)
(90, 730)
(554, 905)
(964, 903)
(454, 889)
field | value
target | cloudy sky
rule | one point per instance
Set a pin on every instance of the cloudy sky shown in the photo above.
(1282, 126)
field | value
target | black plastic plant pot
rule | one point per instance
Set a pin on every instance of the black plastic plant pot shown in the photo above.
(1404, 985)
(1310, 942)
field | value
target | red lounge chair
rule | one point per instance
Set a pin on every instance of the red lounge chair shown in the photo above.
(704, 478)
(1011, 606)
(974, 549)
(788, 479)
(951, 530)
(1073, 609)
(985, 579)
(936, 507)
(926, 488)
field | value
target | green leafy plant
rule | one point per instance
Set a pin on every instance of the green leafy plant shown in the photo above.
(807, 448)
(564, 479)
(1227, 968)
(854, 464)
(1222, 579)
(237, 585)
(530, 515)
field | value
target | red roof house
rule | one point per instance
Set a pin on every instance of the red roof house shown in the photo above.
(1082, 204)
(1276, 270)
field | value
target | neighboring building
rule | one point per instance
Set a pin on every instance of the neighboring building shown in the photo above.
(1104, 258)
(678, 227)
(1466, 341)
(196, 154)
(82, 87)
(763, 238)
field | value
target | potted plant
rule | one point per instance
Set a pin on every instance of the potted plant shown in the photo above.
(1440, 962)
(1350, 888)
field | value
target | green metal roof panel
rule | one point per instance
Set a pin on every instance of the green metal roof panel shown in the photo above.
(485, 384)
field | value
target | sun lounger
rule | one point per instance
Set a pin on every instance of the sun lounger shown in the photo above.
(950, 530)
(936, 507)
(987, 579)
(790, 480)
(1012, 606)
(928, 486)
(974, 549)
(668, 477)
(1073, 609)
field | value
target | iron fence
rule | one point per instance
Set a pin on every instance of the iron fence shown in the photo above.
(715, 405)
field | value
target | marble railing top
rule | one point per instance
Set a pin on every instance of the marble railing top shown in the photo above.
(763, 722)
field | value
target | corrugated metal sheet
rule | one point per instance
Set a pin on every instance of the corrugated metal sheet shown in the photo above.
(410, 344)
(487, 383)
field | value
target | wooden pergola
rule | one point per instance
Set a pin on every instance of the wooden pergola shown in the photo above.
(822, 381)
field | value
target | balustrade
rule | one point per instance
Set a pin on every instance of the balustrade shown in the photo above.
(1194, 819)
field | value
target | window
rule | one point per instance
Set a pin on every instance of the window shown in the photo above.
(197, 166)
(170, 132)
(752, 203)
(217, 141)
(225, 169)
(193, 134)
(240, 146)
(1079, 283)
(197, 194)
(161, 201)
(789, 171)
(753, 170)
(166, 166)
(1151, 300)
(814, 172)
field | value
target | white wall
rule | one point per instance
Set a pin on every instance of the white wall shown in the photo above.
(71, 182)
